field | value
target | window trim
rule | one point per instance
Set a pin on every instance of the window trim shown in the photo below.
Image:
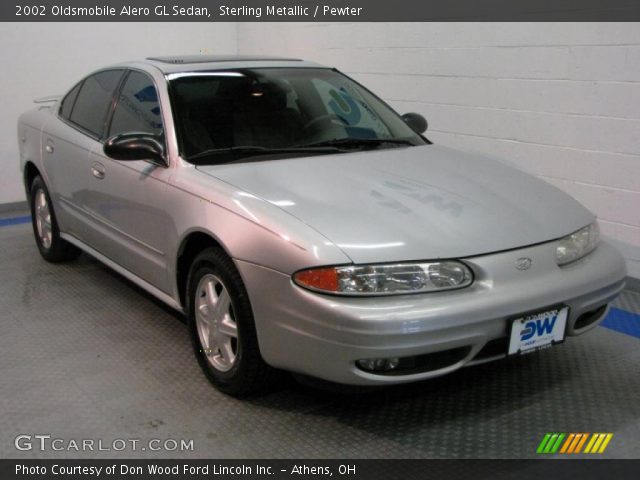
(78, 85)
(178, 131)
(102, 137)
(196, 72)
(78, 127)
(114, 104)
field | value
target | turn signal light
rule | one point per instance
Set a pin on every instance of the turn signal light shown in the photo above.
(391, 279)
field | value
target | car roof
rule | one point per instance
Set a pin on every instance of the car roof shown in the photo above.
(193, 63)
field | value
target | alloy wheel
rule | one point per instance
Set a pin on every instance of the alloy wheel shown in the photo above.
(43, 219)
(216, 324)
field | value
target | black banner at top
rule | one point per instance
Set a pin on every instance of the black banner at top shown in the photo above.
(319, 10)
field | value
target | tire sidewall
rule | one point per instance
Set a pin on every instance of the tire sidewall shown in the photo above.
(38, 184)
(211, 262)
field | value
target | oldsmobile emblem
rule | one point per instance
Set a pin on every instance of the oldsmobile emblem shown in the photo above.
(523, 263)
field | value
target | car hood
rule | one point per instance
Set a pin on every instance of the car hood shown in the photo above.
(411, 203)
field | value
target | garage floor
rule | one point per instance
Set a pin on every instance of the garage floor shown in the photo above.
(85, 354)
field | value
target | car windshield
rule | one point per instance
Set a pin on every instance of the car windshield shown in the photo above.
(223, 116)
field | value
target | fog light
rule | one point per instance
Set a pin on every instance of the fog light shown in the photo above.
(378, 364)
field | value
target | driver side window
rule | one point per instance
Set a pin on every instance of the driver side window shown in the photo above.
(138, 109)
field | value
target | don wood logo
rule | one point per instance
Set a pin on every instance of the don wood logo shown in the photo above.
(574, 443)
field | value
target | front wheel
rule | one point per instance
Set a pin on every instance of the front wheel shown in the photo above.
(45, 226)
(222, 328)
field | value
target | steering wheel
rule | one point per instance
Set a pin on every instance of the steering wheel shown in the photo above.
(323, 118)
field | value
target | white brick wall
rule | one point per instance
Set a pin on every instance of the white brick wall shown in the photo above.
(559, 100)
(41, 59)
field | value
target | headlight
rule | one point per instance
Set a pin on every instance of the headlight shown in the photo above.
(394, 279)
(575, 246)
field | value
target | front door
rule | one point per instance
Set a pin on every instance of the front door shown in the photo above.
(129, 196)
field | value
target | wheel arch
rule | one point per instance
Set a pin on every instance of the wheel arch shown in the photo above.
(30, 173)
(191, 245)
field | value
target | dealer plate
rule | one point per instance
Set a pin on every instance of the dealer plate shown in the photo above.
(537, 331)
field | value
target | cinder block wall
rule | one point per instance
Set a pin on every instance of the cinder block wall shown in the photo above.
(42, 59)
(561, 101)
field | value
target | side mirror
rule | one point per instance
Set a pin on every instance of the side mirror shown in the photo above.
(416, 121)
(135, 146)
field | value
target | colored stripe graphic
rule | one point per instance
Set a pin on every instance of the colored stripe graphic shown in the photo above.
(598, 443)
(581, 442)
(590, 444)
(556, 445)
(543, 443)
(573, 448)
(551, 443)
(596, 446)
(606, 441)
(568, 442)
(572, 443)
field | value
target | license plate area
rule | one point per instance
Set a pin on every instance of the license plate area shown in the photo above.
(538, 330)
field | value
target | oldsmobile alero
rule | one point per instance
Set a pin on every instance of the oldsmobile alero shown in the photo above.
(301, 224)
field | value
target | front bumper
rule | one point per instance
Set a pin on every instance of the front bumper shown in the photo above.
(323, 336)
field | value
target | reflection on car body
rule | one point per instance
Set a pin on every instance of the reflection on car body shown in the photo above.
(301, 224)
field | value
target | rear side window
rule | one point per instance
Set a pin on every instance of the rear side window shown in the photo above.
(137, 109)
(94, 99)
(68, 101)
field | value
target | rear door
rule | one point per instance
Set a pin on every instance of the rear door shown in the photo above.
(67, 141)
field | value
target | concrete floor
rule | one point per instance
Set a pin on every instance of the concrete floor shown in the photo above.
(84, 354)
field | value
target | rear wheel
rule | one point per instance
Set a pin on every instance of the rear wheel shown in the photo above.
(222, 328)
(45, 227)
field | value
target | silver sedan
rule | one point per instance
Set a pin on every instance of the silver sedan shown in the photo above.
(303, 225)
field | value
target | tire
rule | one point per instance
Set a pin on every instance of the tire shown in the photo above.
(217, 299)
(45, 226)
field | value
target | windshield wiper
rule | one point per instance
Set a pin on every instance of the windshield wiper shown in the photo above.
(349, 142)
(337, 145)
(244, 151)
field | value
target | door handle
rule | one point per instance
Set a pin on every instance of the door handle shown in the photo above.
(97, 170)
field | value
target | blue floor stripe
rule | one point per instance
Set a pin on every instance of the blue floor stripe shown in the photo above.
(5, 222)
(623, 322)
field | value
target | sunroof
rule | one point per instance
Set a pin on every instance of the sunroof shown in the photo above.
(183, 59)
